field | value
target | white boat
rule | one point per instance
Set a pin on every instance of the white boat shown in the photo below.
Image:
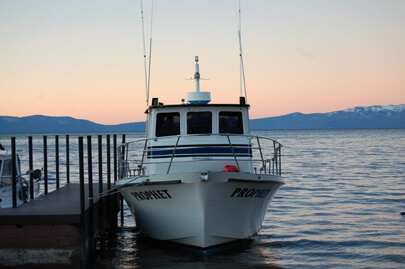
(199, 177)
(22, 186)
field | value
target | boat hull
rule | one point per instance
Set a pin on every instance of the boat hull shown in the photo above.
(201, 211)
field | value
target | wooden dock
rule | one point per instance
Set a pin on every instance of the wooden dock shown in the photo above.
(56, 231)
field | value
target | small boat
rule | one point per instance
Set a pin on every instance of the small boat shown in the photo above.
(199, 178)
(22, 186)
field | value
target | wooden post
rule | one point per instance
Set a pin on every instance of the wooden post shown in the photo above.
(31, 166)
(108, 163)
(45, 165)
(57, 160)
(67, 160)
(109, 198)
(100, 190)
(100, 164)
(279, 154)
(14, 172)
(121, 199)
(115, 156)
(90, 182)
(82, 206)
(90, 167)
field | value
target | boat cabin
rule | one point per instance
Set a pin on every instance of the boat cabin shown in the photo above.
(198, 119)
(213, 134)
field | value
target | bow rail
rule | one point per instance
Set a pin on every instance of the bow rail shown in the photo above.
(262, 153)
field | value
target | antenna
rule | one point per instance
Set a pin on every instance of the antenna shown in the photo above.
(144, 57)
(197, 75)
(242, 69)
(198, 97)
(150, 56)
(147, 73)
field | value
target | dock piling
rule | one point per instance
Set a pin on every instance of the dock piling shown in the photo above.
(14, 173)
(67, 160)
(82, 206)
(91, 204)
(31, 167)
(121, 198)
(100, 190)
(45, 165)
(57, 160)
(108, 163)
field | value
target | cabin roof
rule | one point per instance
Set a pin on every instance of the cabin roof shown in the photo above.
(197, 105)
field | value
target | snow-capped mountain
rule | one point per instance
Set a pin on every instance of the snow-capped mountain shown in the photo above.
(389, 108)
(392, 116)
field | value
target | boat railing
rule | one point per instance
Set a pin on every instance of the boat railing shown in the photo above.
(264, 154)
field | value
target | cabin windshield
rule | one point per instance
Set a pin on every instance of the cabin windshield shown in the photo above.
(230, 122)
(168, 124)
(199, 122)
(6, 174)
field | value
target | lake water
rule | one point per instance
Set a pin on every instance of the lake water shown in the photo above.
(340, 208)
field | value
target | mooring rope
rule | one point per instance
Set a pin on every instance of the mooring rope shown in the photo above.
(115, 189)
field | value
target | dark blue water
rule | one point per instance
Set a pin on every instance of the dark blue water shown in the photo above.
(340, 208)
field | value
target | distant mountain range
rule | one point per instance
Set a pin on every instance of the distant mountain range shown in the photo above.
(392, 116)
(384, 117)
(46, 124)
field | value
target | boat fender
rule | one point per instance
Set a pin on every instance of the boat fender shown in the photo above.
(231, 168)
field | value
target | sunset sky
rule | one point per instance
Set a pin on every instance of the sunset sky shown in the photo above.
(85, 58)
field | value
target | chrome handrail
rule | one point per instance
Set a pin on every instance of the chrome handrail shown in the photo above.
(233, 151)
(274, 163)
(174, 152)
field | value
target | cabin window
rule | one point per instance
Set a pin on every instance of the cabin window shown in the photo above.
(7, 168)
(7, 173)
(168, 124)
(230, 123)
(199, 123)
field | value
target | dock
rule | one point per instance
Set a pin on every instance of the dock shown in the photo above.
(50, 232)
(64, 227)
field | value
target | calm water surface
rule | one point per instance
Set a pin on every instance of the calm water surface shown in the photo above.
(340, 208)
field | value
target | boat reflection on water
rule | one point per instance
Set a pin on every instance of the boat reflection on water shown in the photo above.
(132, 250)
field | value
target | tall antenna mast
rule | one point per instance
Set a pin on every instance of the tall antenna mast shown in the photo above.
(242, 69)
(150, 56)
(144, 58)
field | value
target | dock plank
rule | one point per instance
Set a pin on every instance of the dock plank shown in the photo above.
(58, 207)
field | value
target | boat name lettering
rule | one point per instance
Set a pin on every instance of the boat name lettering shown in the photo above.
(250, 193)
(151, 195)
